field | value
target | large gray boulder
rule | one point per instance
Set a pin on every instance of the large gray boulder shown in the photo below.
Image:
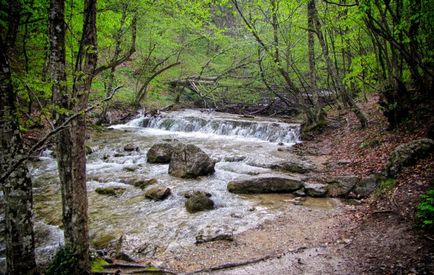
(341, 186)
(408, 154)
(189, 161)
(264, 185)
(352, 186)
(160, 153)
(198, 201)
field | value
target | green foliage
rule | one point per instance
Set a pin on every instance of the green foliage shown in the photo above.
(386, 185)
(64, 263)
(425, 210)
(97, 265)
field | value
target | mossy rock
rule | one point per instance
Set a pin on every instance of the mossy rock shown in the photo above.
(158, 193)
(98, 265)
(142, 184)
(110, 191)
(130, 168)
(199, 201)
(407, 154)
(88, 150)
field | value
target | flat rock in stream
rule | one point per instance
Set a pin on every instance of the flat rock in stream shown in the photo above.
(293, 165)
(264, 185)
(189, 161)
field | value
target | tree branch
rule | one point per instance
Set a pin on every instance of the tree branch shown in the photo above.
(341, 4)
(127, 55)
(61, 127)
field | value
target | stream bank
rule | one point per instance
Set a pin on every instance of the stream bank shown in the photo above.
(376, 235)
(274, 233)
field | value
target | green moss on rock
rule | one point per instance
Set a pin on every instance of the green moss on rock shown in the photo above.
(198, 201)
(110, 191)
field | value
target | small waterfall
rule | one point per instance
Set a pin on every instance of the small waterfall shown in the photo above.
(224, 124)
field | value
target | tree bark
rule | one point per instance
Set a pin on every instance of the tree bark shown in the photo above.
(71, 141)
(17, 188)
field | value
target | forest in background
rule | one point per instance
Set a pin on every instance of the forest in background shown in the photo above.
(62, 59)
(221, 53)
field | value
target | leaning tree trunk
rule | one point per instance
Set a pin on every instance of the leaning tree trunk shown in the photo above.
(17, 188)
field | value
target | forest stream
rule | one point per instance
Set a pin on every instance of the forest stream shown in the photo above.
(243, 147)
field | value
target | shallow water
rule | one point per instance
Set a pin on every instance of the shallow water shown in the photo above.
(149, 227)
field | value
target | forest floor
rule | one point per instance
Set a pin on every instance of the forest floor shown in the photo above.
(370, 236)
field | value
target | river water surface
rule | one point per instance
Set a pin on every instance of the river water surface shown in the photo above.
(242, 147)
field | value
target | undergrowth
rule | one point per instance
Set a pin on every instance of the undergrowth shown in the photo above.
(425, 210)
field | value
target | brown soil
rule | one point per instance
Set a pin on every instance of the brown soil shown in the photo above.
(375, 236)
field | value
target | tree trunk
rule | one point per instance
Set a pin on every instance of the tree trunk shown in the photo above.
(71, 142)
(17, 188)
(316, 108)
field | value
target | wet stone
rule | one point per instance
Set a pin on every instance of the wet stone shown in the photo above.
(199, 201)
(189, 161)
(158, 193)
(315, 189)
(259, 185)
(131, 147)
(160, 153)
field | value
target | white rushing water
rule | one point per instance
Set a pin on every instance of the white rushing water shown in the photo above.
(211, 122)
(150, 227)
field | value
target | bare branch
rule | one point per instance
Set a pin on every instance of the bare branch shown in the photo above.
(341, 4)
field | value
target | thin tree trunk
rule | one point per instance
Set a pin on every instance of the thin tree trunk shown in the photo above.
(317, 110)
(334, 74)
(17, 188)
(117, 53)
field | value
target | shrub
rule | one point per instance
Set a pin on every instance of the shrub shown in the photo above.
(425, 210)
(64, 263)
